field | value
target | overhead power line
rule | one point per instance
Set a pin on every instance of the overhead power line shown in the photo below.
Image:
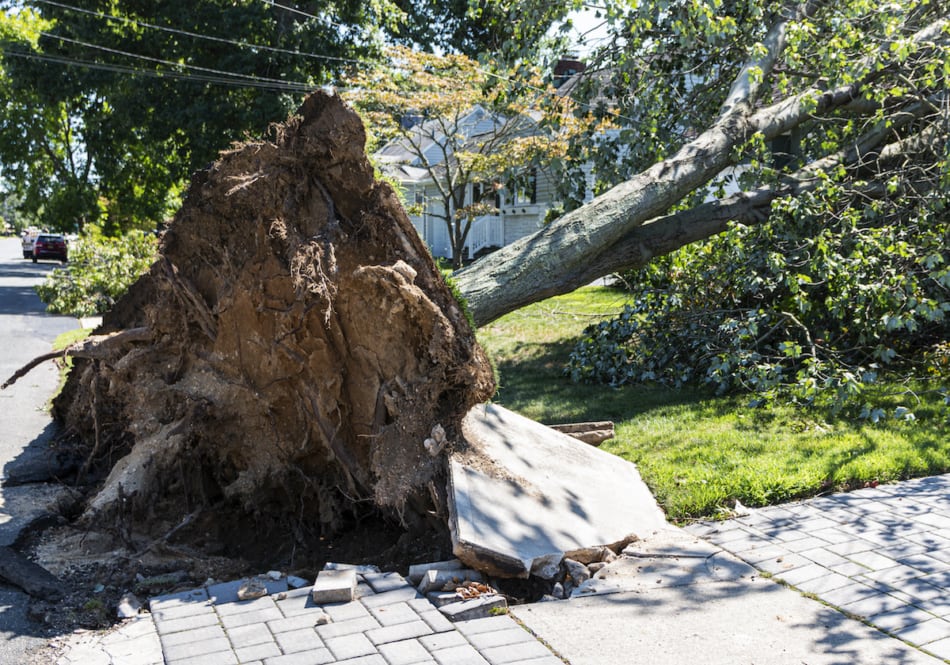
(211, 38)
(176, 65)
(170, 74)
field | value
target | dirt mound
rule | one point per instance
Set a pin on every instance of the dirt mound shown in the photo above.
(282, 363)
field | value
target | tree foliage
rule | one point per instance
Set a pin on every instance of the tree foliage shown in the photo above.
(832, 270)
(100, 269)
(462, 123)
(801, 307)
(108, 109)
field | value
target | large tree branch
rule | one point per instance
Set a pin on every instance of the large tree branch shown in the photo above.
(534, 267)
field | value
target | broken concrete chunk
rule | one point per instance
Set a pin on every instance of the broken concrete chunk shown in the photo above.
(476, 608)
(576, 571)
(252, 588)
(440, 598)
(546, 567)
(128, 606)
(436, 580)
(334, 586)
(359, 568)
(417, 570)
(295, 582)
(543, 493)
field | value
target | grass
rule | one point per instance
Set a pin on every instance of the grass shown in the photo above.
(700, 453)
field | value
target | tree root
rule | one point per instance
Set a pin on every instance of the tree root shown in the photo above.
(97, 347)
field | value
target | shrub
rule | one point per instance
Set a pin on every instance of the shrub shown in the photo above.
(100, 269)
(806, 307)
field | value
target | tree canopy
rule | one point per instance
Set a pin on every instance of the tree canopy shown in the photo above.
(119, 105)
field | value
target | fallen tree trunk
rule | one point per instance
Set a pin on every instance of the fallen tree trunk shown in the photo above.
(284, 360)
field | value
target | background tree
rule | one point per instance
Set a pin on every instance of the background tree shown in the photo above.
(120, 105)
(463, 124)
(498, 30)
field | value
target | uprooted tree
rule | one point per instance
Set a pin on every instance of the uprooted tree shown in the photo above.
(286, 357)
(294, 346)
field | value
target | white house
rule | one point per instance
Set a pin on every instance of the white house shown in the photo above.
(519, 206)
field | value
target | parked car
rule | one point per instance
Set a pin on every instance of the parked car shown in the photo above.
(50, 246)
(26, 240)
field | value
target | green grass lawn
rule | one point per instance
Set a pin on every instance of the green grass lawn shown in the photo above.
(699, 453)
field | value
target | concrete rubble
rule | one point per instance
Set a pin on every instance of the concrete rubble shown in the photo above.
(522, 497)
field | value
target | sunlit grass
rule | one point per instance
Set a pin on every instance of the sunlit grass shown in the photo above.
(700, 453)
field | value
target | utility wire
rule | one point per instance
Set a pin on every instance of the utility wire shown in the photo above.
(155, 73)
(196, 35)
(248, 77)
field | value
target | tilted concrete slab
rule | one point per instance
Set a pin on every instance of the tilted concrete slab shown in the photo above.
(523, 495)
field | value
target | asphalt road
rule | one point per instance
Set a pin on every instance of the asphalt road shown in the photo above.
(26, 331)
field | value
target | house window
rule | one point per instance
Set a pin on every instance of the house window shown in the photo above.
(524, 188)
(486, 192)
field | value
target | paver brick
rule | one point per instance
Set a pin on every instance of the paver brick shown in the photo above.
(293, 641)
(249, 635)
(925, 632)
(824, 583)
(545, 660)
(804, 573)
(405, 652)
(498, 638)
(849, 593)
(475, 626)
(307, 620)
(391, 615)
(373, 659)
(940, 648)
(205, 633)
(902, 617)
(350, 646)
(442, 640)
(317, 657)
(217, 658)
(873, 560)
(403, 631)
(382, 582)
(186, 623)
(347, 627)
(437, 621)
(461, 655)
(514, 652)
(183, 610)
(241, 606)
(399, 595)
(247, 618)
(334, 586)
(177, 599)
(876, 604)
(257, 652)
(346, 611)
(193, 649)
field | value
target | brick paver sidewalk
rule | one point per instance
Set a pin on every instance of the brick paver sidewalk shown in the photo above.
(881, 554)
(389, 624)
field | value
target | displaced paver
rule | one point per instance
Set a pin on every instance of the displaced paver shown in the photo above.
(683, 596)
(388, 623)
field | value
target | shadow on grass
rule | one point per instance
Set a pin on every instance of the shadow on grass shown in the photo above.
(536, 385)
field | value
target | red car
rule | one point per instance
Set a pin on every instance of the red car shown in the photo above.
(50, 246)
